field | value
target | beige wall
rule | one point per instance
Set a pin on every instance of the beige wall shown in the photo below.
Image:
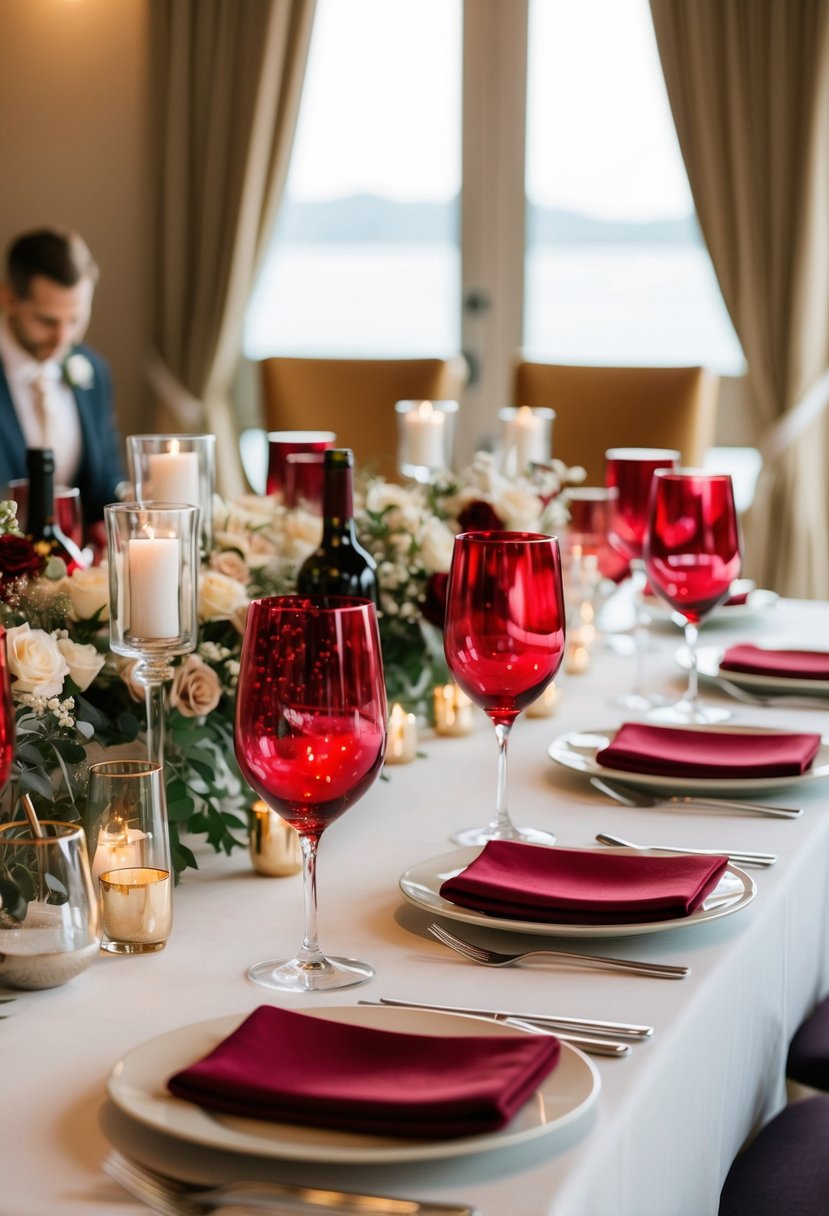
(73, 148)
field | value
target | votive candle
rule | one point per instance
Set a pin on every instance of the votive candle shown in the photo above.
(453, 711)
(137, 909)
(401, 746)
(174, 475)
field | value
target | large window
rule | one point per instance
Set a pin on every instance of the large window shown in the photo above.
(616, 271)
(365, 258)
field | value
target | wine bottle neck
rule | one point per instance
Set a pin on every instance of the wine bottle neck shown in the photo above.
(338, 502)
(41, 496)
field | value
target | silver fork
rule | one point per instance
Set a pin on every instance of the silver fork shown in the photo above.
(174, 1198)
(629, 796)
(495, 958)
(794, 699)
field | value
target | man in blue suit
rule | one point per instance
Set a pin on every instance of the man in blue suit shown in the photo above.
(55, 392)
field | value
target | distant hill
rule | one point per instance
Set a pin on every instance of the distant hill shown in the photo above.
(366, 218)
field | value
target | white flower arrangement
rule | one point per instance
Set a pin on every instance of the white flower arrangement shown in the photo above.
(79, 371)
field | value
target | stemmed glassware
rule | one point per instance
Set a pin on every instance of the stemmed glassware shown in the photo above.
(310, 739)
(504, 641)
(692, 556)
(629, 471)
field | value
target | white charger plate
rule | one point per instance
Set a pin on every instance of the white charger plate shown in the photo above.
(421, 885)
(758, 600)
(138, 1085)
(577, 750)
(710, 657)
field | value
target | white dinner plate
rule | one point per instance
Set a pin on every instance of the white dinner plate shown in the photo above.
(708, 665)
(758, 600)
(577, 750)
(421, 885)
(138, 1085)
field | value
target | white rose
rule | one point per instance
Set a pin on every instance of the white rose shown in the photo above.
(520, 508)
(195, 689)
(79, 371)
(231, 563)
(89, 591)
(84, 661)
(218, 595)
(436, 544)
(36, 662)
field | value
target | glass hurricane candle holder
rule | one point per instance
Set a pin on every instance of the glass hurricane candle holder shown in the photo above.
(526, 438)
(131, 855)
(176, 469)
(425, 437)
(153, 580)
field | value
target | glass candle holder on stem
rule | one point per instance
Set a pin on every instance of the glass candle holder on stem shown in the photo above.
(153, 579)
(425, 437)
(176, 469)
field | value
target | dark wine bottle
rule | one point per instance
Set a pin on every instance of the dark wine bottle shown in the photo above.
(340, 566)
(42, 525)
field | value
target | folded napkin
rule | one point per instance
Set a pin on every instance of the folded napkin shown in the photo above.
(295, 1068)
(668, 751)
(799, 664)
(734, 601)
(575, 886)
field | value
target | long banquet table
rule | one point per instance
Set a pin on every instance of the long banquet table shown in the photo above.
(669, 1118)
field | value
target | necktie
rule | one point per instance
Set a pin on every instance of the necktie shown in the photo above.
(40, 400)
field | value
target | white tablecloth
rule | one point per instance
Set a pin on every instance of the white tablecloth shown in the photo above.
(669, 1118)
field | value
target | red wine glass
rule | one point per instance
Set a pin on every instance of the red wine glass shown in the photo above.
(629, 471)
(310, 738)
(692, 556)
(504, 641)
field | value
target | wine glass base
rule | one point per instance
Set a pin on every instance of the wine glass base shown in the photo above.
(683, 713)
(326, 975)
(473, 836)
(640, 702)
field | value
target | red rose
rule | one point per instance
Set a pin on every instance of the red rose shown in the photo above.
(18, 557)
(434, 606)
(480, 516)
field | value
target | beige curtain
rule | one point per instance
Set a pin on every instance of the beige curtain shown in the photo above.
(748, 82)
(227, 78)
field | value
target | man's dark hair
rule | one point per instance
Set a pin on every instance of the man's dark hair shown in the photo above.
(60, 256)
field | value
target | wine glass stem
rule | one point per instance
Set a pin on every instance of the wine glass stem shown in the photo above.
(502, 819)
(639, 581)
(691, 636)
(310, 952)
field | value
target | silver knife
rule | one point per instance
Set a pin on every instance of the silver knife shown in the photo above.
(622, 1030)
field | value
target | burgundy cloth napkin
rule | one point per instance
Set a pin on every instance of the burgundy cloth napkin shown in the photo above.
(295, 1068)
(668, 751)
(799, 664)
(576, 886)
(734, 601)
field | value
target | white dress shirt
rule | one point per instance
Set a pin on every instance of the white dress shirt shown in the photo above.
(63, 425)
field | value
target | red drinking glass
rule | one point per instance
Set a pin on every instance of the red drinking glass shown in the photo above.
(692, 556)
(304, 481)
(629, 472)
(310, 738)
(504, 641)
(281, 444)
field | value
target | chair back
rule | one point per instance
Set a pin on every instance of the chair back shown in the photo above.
(605, 407)
(355, 398)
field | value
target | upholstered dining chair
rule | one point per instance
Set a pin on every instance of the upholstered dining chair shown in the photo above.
(603, 407)
(785, 1169)
(354, 398)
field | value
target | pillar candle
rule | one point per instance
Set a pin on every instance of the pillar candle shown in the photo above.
(524, 439)
(174, 476)
(425, 436)
(154, 571)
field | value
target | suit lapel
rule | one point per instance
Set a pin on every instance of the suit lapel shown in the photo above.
(12, 442)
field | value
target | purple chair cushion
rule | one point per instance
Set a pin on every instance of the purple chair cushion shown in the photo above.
(808, 1060)
(785, 1170)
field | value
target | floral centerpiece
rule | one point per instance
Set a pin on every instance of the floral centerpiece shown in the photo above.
(75, 700)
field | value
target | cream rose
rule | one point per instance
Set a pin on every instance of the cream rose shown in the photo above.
(195, 689)
(239, 618)
(36, 662)
(218, 596)
(436, 544)
(84, 661)
(231, 563)
(88, 592)
(127, 673)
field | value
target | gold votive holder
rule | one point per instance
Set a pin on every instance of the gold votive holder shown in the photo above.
(274, 845)
(454, 711)
(545, 705)
(401, 745)
(136, 909)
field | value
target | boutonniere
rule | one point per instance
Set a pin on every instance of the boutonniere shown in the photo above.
(78, 371)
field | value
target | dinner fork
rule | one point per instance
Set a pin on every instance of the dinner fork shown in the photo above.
(497, 958)
(629, 796)
(748, 697)
(172, 1197)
